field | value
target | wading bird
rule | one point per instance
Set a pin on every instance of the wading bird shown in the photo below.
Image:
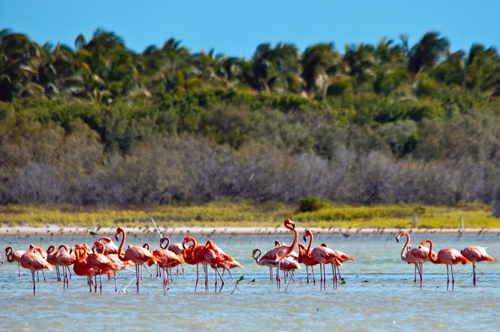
(64, 259)
(193, 255)
(277, 254)
(449, 257)
(417, 256)
(14, 256)
(475, 255)
(167, 260)
(101, 264)
(178, 250)
(138, 255)
(33, 261)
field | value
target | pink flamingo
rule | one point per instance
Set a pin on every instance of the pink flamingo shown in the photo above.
(194, 255)
(217, 258)
(64, 259)
(179, 251)
(168, 259)
(14, 256)
(277, 254)
(449, 257)
(417, 256)
(34, 261)
(100, 264)
(476, 254)
(138, 255)
(108, 245)
(324, 255)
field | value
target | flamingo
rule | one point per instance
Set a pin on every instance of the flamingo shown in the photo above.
(40, 251)
(34, 261)
(307, 260)
(277, 254)
(81, 267)
(64, 259)
(476, 254)
(118, 264)
(449, 257)
(324, 255)
(108, 246)
(147, 247)
(178, 250)
(138, 255)
(194, 255)
(100, 264)
(217, 258)
(14, 256)
(51, 258)
(417, 256)
(167, 260)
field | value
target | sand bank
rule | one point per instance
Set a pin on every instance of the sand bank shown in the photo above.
(257, 231)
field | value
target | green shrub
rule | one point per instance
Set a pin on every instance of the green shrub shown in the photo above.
(310, 204)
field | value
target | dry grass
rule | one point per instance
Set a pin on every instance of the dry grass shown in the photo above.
(229, 213)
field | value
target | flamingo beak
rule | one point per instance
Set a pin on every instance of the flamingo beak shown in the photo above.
(397, 239)
(116, 237)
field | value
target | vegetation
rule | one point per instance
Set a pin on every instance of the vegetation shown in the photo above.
(269, 216)
(98, 125)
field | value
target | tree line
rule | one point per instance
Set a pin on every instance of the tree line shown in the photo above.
(386, 123)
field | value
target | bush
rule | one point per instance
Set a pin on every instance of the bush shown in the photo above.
(310, 204)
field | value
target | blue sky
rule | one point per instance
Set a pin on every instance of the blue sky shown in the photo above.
(236, 27)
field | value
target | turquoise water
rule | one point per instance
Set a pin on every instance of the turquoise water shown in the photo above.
(378, 293)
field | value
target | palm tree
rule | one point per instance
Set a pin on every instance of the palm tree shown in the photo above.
(427, 52)
(318, 63)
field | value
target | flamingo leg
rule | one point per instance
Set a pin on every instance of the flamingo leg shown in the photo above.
(321, 273)
(139, 270)
(183, 270)
(116, 283)
(215, 275)
(291, 277)
(58, 274)
(421, 270)
(135, 276)
(19, 265)
(221, 279)
(171, 275)
(452, 278)
(34, 284)
(95, 280)
(271, 273)
(314, 278)
(70, 274)
(474, 273)
(338, 273)
(2, 265)
(307, 273)
(43, 275)
(89, 279)
(37, 276)
(334, 275)
(230, 274)
(278, 279)
(207, 288)
(100, 283)
(165, 281)
(415, 280)
(448, 274)
(151, 273)
(177, 270)
(196, 285)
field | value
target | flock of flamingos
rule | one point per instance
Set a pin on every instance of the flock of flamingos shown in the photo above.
(105, 258)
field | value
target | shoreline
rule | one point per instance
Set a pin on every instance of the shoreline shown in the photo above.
(231, 231)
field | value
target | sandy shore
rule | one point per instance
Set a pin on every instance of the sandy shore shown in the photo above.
(197, 231)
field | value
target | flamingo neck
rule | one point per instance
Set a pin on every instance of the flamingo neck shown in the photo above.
(310, 244)
(9, 255)
(121, 246)
(435, 261)
(407, 244)
(257, 258)
(295, 240)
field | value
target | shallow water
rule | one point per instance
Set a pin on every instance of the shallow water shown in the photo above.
(378, 294)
